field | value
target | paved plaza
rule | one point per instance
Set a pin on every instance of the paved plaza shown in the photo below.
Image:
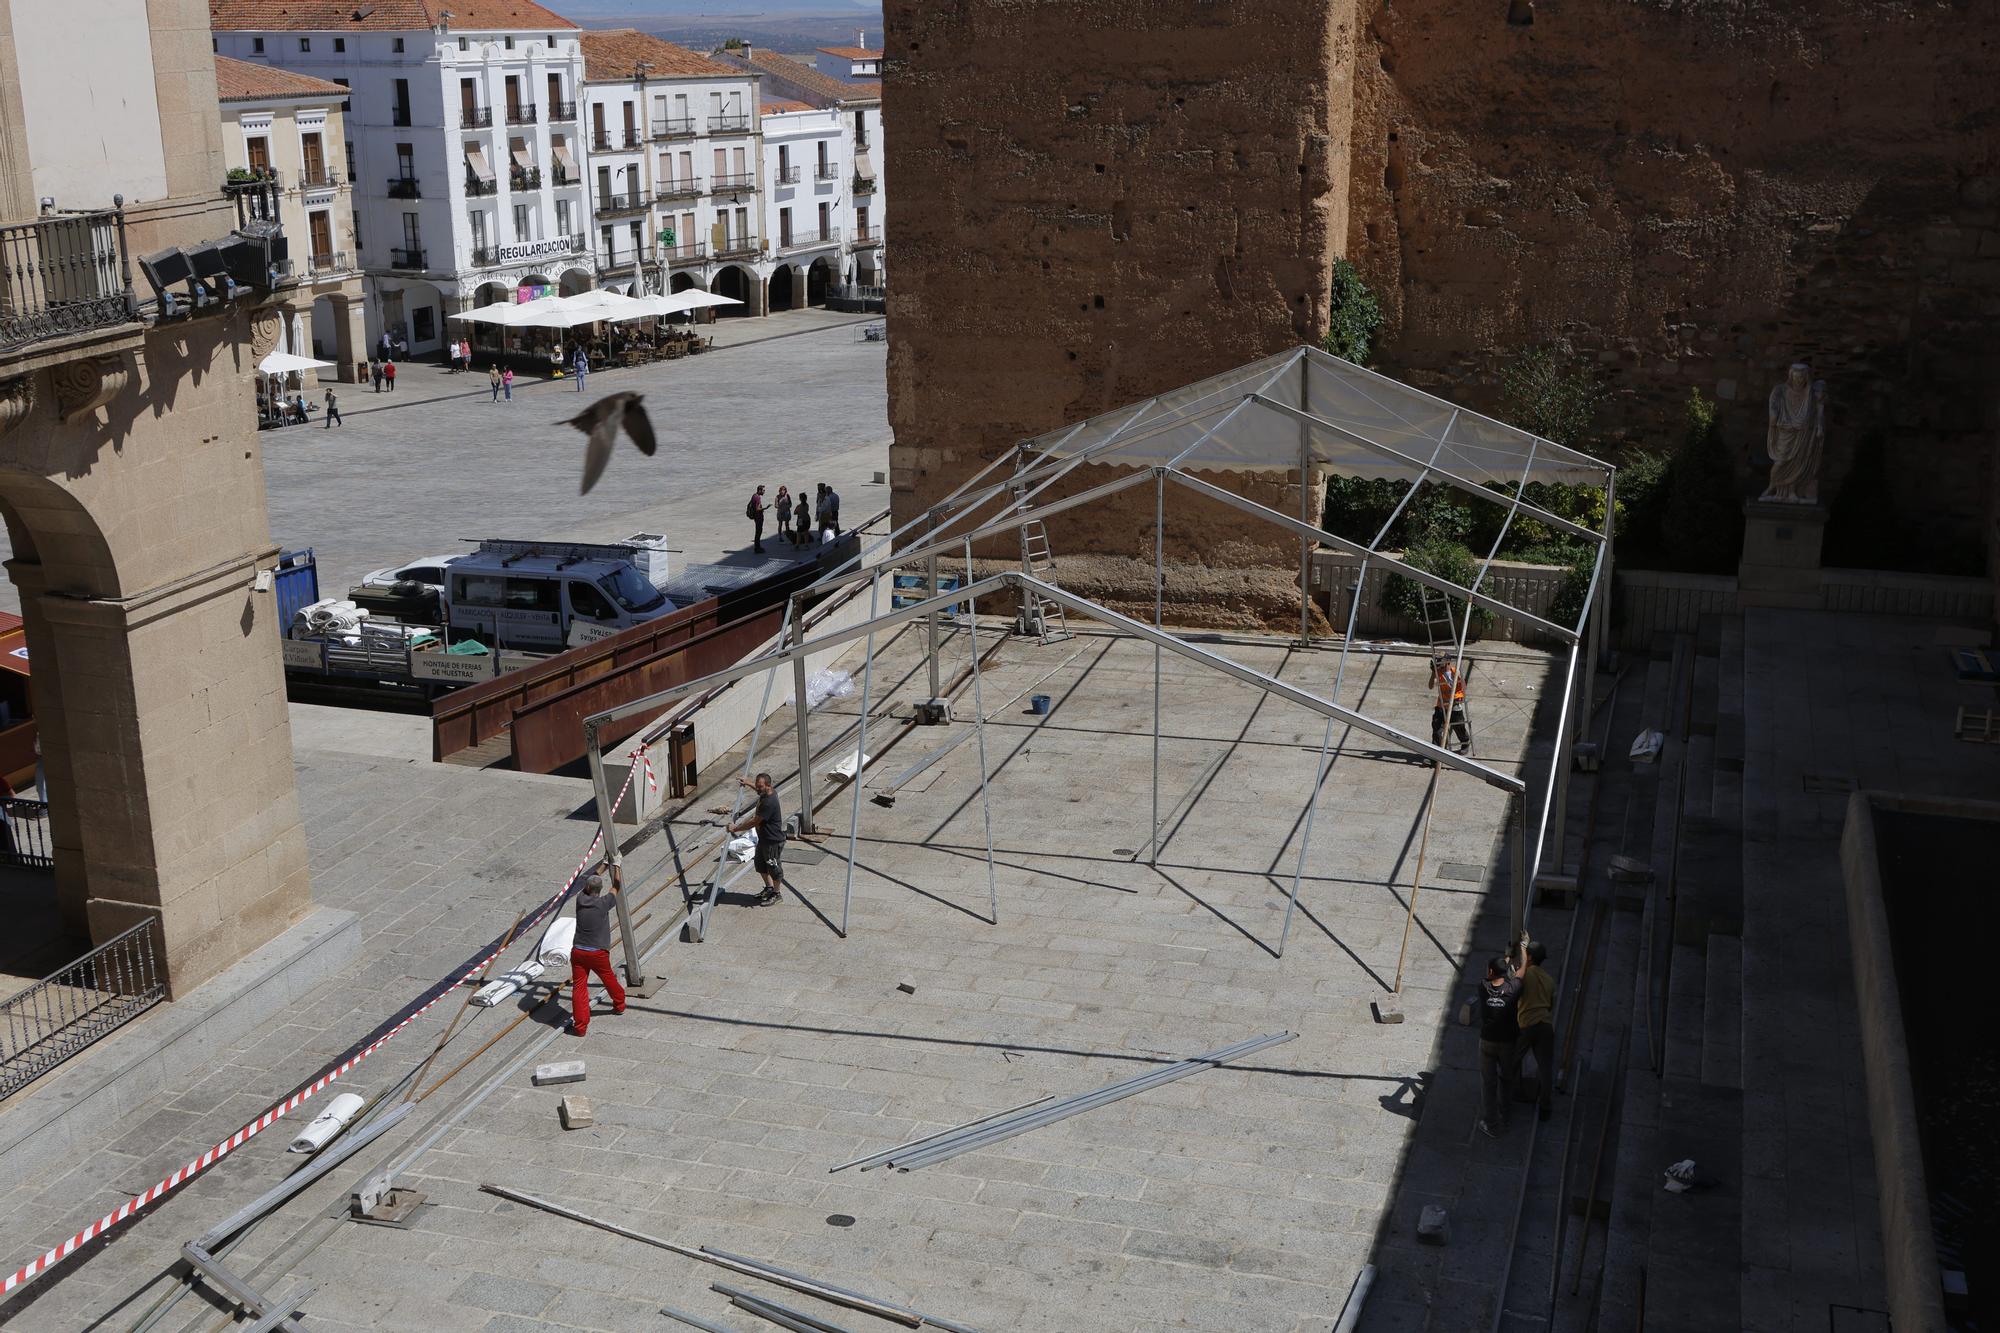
(1242, 1198)
(793, 400)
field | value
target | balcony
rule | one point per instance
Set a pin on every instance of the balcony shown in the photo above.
(690, 188)
(524, 178)
(739, 247)
(624, 261)
(729, 123)
(475, 187)
(330, 263)
(864, 184)
(809, 240)
(867, 238)
(618, 205)
(561, 111)
(61, 274)
(256, 198)
(521, 115)
(789, 175)
(320, 179)
(733, 185)
(687, 252)
(399, 116)
(406, 259)
(560, 178)
(673, 127)
(485, 256)
(404, 187)
(478, 118)
(826, 171)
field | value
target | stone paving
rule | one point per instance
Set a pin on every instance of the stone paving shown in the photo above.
(411, 473)
(1241, 1198)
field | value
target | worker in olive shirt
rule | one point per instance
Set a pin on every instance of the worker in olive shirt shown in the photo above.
(768, 818)
(590, 952)
(1536, 1016)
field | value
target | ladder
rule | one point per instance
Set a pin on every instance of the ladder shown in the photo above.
(1441, 632)
(1038, 616)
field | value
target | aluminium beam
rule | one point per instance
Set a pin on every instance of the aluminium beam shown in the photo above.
(1270, 684)
(1352, 547)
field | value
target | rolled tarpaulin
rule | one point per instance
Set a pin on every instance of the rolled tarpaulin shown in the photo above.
(328, 1122)
(553, 951)
(519, 979)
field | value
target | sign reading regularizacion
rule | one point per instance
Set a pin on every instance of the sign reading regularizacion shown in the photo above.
(559, 245)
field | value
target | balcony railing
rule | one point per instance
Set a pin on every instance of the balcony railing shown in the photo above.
(68, 1011)
(738, 246)
(477, 118)
(475, 187)
(867, 237)
(562, 111)
(405, 187)
(601, 141)
(318, 180)
(525, 178)
(523, 114)
(399, 116)
(789, 175)
(559, 178)
(256, 200)
(406, 259)
(864, 184)
(27, 843)
(732, 184)
(826, 171)
(613, 205)
(687, 252)
(729, 122)
(805, 240)
(485, 256)
(334, 261)
(673, 127)
(623, 260)
(688, 188)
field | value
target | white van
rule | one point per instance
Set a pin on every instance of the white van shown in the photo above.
(548, 596)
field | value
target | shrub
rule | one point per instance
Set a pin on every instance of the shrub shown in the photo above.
(1353, 318)
(1553, 392)
(1444, 557)
(1701, 518)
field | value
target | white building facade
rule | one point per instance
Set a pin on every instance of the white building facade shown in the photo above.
(807, 175)
(677, 170)
(464, 146)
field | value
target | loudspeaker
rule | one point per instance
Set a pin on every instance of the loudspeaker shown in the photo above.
(209, 260)
(168, 268)
(246, 261)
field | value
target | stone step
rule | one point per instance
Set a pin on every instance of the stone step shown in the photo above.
(1682, 1021)
(1722, 1014)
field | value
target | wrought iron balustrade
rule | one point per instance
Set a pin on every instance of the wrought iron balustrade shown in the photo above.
(65, 273)
(406, 258)
(405, 187)
(73, 1008)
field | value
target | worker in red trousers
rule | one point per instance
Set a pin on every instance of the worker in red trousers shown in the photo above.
(590, 952)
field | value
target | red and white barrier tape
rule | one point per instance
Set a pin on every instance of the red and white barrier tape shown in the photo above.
(304, 1094)
(644, 756)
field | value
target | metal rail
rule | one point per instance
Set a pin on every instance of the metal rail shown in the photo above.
(78, 1005)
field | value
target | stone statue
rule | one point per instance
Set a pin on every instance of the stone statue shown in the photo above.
(1797, 437)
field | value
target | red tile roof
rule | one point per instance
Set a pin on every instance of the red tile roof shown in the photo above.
(382, 16)
(801, 80)
(781, 107)
(614, 53)
(244, 81)
(852, 52)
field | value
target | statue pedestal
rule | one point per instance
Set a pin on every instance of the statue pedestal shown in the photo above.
(1781, 547)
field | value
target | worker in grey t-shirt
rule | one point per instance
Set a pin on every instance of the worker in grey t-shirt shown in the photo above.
(590, 951)
(768, 818)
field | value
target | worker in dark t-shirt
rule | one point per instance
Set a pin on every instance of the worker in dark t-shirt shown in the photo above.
(1498, 1004)
(590, 951)
(768, 818)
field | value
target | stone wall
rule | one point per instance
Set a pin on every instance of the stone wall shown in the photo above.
(1695, 196)
(1105, 201)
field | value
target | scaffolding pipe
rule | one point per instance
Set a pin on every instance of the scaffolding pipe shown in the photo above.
(607, 812)
(979, 727)
(1159, 609)
(860, 759)
(802, 724)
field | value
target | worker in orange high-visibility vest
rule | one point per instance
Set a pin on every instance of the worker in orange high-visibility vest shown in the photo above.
(1450, 706)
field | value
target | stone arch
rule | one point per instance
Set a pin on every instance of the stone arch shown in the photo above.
(739, 283)
(573, 281)
(820, 279)
(685, 281)
(786, 290)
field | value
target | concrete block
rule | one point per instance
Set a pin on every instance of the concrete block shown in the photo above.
(575, 1112)
(561, 1071)
(1434, 1225)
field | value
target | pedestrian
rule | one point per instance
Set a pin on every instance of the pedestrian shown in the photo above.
(1536, 1017)
(507, 384)
(833, 500)
(1450, 704)
(754, 511)
(464, 350)
(375, 374)
(332, 410)
(804, 514)
(784, 513)
(1499, 1028)
(386, 345)
(582, 366)
(389, 374)
(590, 951)
(493, 381)
(768, 818)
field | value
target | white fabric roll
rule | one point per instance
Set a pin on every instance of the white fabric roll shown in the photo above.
(495, 991)
(741, 848)
(328, 1122)
(554, 949)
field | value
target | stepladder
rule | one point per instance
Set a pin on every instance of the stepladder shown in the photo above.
(1442, 636)
(1039, 616)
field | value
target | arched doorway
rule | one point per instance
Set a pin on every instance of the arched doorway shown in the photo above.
(486, 338)
(412, 314)
(784, 288)
(737, 284)
(574, 281)
(819, 280)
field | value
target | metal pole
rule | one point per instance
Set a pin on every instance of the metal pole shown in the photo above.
(305, 1176)
(979, 726)
(1517, 910)
(1305, 512)
(931, 620)
(1159, 606)
(1417, 880)
(801, 720)
(635, 974)
(860, 761)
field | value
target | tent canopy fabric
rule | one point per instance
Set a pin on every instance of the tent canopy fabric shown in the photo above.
(678, 303)
(284, 363)
(1345, 419)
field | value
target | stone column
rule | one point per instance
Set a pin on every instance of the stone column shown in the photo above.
(52, 732)
(350, 336)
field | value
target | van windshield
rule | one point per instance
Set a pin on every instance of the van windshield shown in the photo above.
(629, 588)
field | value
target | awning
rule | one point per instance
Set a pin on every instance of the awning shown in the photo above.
(568, 163)
(567, 312)
(680, 303)
(475, 162)
(522, 160)
(284, 363)
(862, 169)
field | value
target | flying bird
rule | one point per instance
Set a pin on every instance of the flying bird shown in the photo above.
(601, 421)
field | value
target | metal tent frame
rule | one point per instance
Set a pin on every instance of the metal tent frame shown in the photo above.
(1297, 413)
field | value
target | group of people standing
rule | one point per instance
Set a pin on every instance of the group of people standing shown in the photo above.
(795, 515)
(1516, 1004)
